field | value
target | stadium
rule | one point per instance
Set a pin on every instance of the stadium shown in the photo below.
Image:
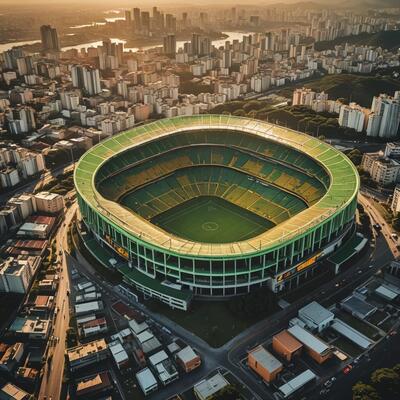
(215, 205)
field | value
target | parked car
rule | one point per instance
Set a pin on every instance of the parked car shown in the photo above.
(347, 369)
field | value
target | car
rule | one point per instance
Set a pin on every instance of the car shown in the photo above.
(347, 369)
(333, 379)
(328, 384)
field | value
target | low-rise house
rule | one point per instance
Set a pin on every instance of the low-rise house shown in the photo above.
(12, 392)
(87, 354)
(89, 307)
(188, 359)
(11, 357)
(164, 367)
(31, 328)
(119, 354)
(207, 388)
(93, 327)
(94, 386)
(147, 381)
(28, 375)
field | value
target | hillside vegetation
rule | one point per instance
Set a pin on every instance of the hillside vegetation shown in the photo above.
(387, 40)
(350, 87)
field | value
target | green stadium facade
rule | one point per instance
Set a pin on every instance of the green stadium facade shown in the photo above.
(305, 189)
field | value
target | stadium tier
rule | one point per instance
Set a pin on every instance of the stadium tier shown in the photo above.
(216, 204)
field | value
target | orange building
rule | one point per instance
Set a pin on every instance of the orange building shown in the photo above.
(286, 345)
(264, 363)
(188, 359)
(315, 347)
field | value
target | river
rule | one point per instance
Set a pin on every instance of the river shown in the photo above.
(217, 43)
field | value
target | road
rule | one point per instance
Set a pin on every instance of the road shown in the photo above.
(36, 184)
(53, 371)
(377, 218)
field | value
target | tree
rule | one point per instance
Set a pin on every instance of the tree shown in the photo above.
(387, 382)
(355, 156)
(253, 105)
(239, 113)
(227, 393)
(362, 391)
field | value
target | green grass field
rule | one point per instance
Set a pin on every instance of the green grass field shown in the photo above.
(211, 220)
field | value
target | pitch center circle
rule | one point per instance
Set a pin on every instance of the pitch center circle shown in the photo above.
(210, 226)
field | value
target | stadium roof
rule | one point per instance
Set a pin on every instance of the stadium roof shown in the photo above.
(344, 184)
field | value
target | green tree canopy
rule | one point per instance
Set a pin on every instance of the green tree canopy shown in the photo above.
(387, 382)
(362, 391)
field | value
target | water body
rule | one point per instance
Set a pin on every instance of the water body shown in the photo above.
(231, 36)
(217, 43)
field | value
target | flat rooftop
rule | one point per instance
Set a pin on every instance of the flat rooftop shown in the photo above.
(266, 359)
(358, 305)
(341, 192)
(297, 382)
(208, 387)
(78, 352)
(309, 340)
(315, 312)
(288, 341)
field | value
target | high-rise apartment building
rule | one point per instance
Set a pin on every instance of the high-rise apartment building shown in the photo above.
(86, 78)
(353, 116)
(385, 120)
(170, 45)
(49, 37)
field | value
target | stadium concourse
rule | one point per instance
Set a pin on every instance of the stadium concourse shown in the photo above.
(215, 205)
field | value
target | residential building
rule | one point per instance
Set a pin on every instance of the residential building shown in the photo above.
(119, 354)
(11, 357)
(383, 170)
(207, 388)
(49, 38)
(86, 78)
(12, 392)
(15, 275)
(87, 354)
(188, 359)
(164, 367)
(49, 203)
(386, 112)
(94, 386)
(395, 205)
(147, 381)
(353, 116)
(31, 328)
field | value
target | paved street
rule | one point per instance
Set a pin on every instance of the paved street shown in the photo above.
(53, 371)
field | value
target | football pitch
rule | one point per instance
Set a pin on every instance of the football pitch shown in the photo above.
(211, 220)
